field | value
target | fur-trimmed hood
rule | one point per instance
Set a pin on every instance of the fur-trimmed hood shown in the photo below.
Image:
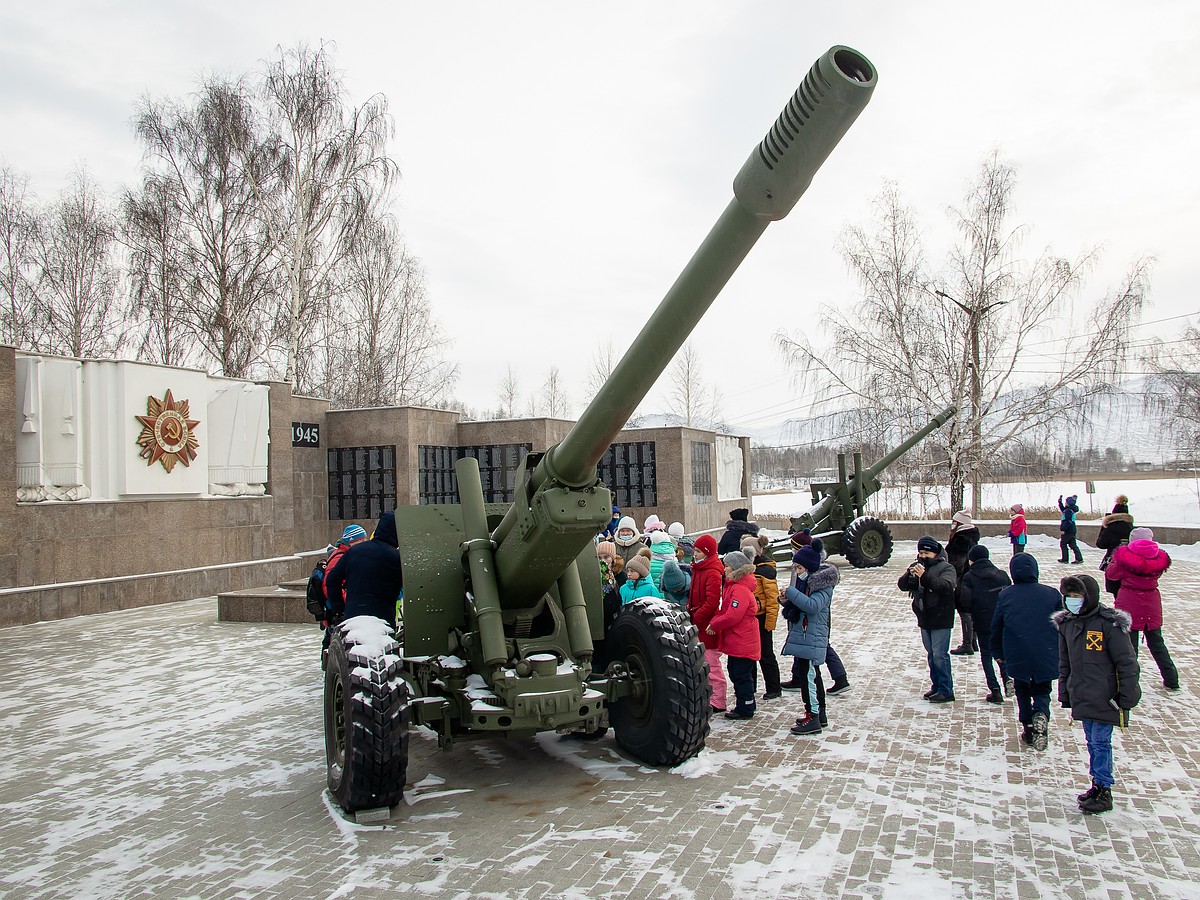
(1111, 518)
(825, 577)
(1118, 616)
(740, 572)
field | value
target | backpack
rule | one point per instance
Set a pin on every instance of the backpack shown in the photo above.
(314, 594)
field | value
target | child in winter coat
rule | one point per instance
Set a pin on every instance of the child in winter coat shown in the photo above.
(766, 592)
(963, 536)
(1138, 565)
(675, 583)
(704, 601)
(1097, 678)
(662, 548)
(737, 629)
(980, 587)
(628, 539)
(1017, 528)
(1068, 529)
(637, 581)
(806, 607)
(1114, 531)
(1025, 642)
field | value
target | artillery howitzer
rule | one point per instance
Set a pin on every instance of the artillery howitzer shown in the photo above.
(838, 516)
(503, 607)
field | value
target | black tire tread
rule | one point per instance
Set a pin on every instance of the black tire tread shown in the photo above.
(853, 535)
(681, 693)
(376, 721)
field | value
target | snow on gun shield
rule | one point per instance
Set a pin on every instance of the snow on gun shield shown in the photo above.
(502, 605)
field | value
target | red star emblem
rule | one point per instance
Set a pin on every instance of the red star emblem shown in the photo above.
(168, 435)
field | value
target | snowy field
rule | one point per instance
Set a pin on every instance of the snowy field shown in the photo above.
(1154, 501)
(156, 752)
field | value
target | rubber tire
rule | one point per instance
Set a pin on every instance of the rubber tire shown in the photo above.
(668, 722)
(870, 529)
(366, 726)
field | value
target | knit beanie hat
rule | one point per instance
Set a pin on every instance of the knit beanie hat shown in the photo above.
(675, 530)
(739, 515)
(606, 548)
(1141, 534)
(801, 539)
(1122, 504)
(962, 517)
(1017, 508)
(706, 544)
(640, 565)
(653, 523)
(353, 533)
(807, 557)
(627, 522)
(977, 553)
(736, 559)
(929, 544)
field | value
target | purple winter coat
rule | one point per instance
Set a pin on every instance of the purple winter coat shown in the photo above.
(1137, 566)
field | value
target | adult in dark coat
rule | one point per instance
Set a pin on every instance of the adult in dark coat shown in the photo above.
(1025, 639)
(930, 581)
(978, 589)
(735, 529)
(370, 574)
(1114, 531)
(1097, 678)
(963, 536)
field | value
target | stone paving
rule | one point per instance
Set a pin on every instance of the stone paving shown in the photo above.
(159, 753)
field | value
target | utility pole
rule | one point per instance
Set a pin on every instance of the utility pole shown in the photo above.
(974, 319)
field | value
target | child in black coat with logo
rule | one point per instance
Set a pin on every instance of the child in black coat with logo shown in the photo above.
(1097, 678)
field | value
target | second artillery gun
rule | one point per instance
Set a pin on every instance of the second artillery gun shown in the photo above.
(838, 514)
(501, 631)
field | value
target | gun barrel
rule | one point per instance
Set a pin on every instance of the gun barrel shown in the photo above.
(774, 177)
(933, 425)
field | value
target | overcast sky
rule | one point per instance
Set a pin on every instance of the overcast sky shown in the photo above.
(560, 161)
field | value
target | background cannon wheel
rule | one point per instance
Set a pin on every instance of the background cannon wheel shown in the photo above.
(867, 542)
(366, 723)
(665, 720)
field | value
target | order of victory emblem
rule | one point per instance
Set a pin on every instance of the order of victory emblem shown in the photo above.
(168, 435)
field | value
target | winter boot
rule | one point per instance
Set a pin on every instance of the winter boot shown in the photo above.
(840, 686)
(994, 697)
(1101, 802)
(1089, 793)
(807, 725)
(1007, 686)
(1040, 738)
(792, 684)
(929, 693)
(823, 719)
(772, 695)
(1027, 734)
(962, 650)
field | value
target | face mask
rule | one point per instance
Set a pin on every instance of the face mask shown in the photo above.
(802, 575)
(1074, 604)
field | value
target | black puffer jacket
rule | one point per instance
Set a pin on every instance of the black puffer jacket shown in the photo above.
(958, 546)
(735, 530)
(978, 591)
(371, 574)
(1114, 531)
(932, 594)
(1097, 668)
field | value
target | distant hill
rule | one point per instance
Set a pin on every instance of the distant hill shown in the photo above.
(1121, 418)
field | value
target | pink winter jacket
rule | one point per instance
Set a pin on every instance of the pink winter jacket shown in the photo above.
(737, 622)
(1138, 566)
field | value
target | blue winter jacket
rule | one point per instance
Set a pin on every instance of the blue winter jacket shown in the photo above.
(1023, 634)
(643, 587)
(808, 636)
(1069, 511)
(675, 583)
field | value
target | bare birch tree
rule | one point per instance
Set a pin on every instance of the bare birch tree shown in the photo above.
(604, 360)
(995, 335)
(328, 163)
(78, 277)
(207, 150)
(19, 324)
(385, 346)
(152, 229)
(554, 402)
(509, 395)
(1177, 366)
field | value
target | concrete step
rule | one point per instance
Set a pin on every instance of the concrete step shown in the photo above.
(267, 604)
(300, 584)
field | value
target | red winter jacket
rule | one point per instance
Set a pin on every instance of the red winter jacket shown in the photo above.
(737, 622)
(1138, 566)
(704, 596)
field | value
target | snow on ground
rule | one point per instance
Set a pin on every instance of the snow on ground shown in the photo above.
(1155, 501)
